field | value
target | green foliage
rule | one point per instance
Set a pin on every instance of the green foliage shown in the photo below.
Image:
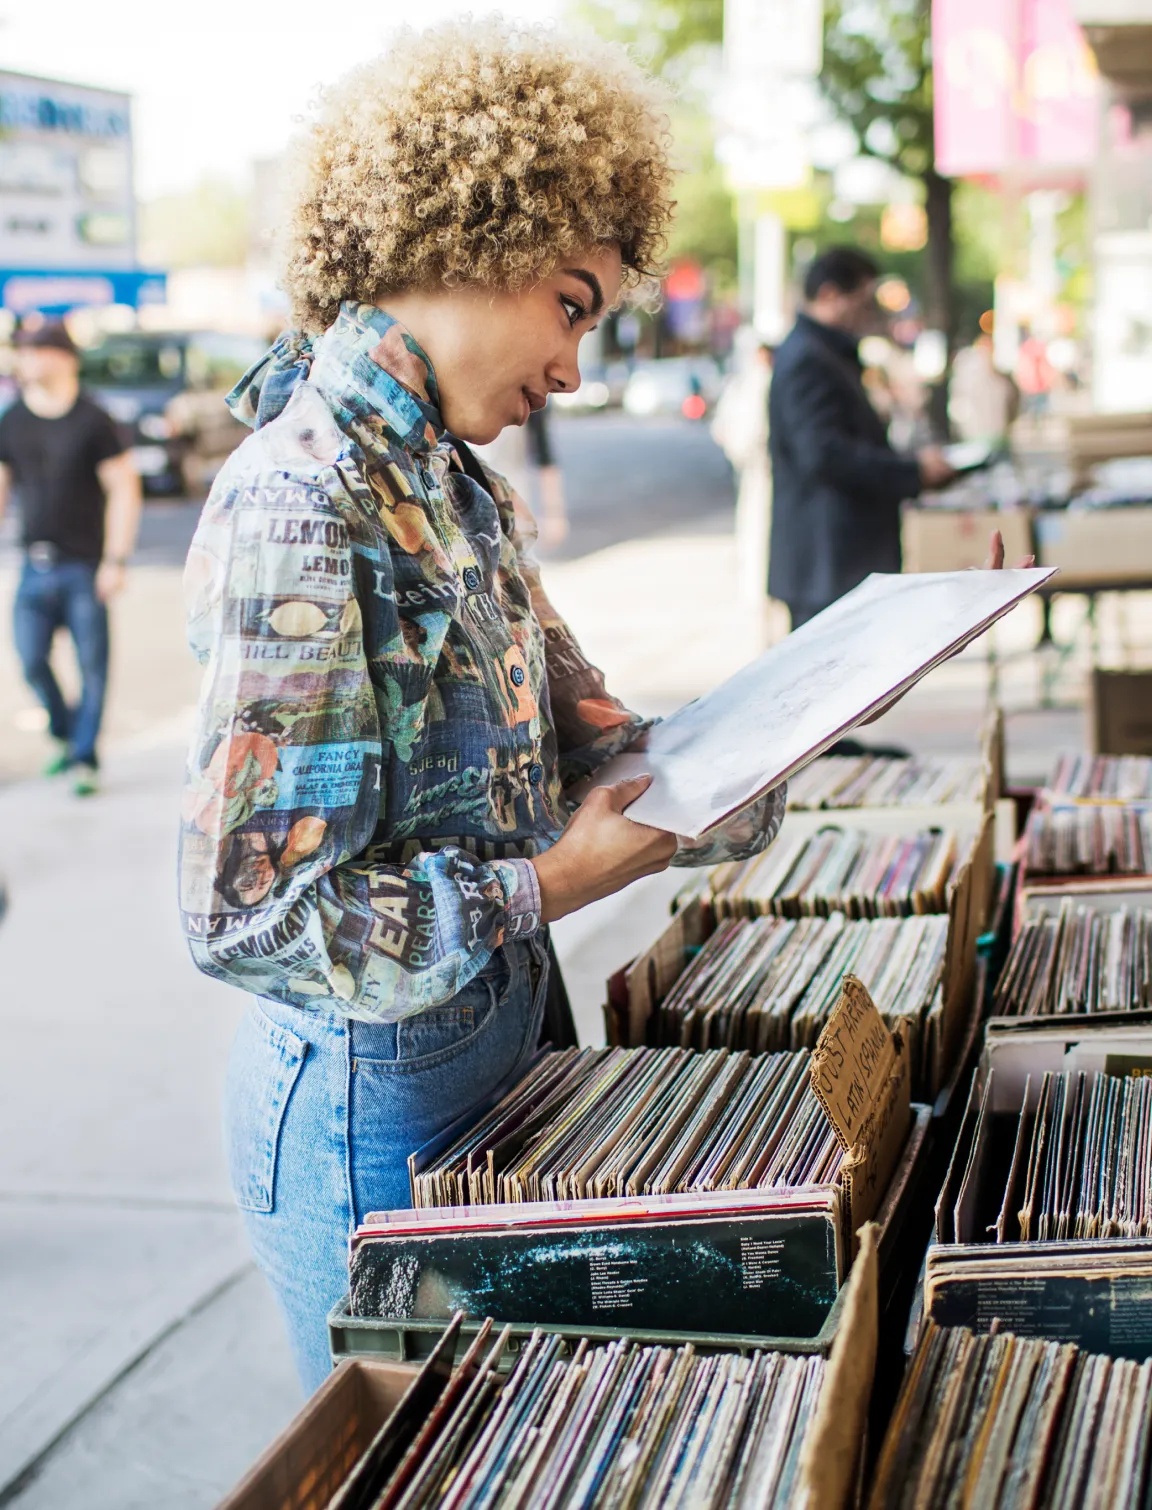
(978, 225)
(680, 40)
(877, 77)
(705, 227)
(208, 226)
(669, 36)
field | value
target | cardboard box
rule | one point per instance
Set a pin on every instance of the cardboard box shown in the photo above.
(1095, 548)
(1122, 712)
(1092, 438)
(309, 1461)
(1098, 1298)
(634, 993)
(943, 539)
(306, 1465)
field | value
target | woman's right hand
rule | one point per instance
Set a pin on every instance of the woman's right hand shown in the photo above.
(601, 851)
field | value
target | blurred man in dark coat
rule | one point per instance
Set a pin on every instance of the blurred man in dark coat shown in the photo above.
(837, 483)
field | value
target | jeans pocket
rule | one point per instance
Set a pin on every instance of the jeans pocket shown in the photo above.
(264, 1066)
(429, 1037)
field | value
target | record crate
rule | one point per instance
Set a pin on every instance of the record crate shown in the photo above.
(1044, 899)
(635, 993)
(781, 1258)
(305, 1467)
(412, 1340)
(1095, 1291)
(370, 1416)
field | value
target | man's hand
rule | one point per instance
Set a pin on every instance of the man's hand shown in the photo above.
(995, 561)
(601, 851)
(110, 580)
(935, 471)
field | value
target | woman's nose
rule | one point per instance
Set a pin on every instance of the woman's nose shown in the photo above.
(564, 374)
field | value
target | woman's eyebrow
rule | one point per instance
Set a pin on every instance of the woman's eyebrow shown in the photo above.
(593, 283)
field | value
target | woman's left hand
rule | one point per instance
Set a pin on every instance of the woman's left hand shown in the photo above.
(995, 561)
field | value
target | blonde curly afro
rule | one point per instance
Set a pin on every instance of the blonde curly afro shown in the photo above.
(475, 153)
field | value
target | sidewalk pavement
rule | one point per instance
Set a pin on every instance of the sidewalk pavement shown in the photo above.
(143, 1362)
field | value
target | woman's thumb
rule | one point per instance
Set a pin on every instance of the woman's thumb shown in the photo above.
(623, 793)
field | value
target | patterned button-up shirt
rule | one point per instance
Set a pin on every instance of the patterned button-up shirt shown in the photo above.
(391, 707)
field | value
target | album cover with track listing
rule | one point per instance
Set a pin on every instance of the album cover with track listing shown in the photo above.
(771, 1273)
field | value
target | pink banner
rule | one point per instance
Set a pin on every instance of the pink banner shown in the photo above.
(1015, 87)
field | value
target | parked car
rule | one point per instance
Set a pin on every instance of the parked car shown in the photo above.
(137, 376)
(673, 385)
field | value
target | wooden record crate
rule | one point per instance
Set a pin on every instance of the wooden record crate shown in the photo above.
(313, 1457)
(634, 993)
(1100, 1297)
(306, 1465)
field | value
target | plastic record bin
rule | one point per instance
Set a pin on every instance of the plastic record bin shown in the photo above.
(411, 1340)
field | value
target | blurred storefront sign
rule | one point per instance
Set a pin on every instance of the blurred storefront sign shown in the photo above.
(685, 309)
(1017, 91)
(67, 202)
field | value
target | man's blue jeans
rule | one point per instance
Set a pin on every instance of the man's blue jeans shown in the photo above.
(63, 596)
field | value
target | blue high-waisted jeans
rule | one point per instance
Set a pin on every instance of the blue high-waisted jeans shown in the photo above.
(321, 1112)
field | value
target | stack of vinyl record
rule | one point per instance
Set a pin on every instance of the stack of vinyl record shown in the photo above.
(770, 983)
(863, 874)
(1088, 839)
(616, 1425)
(1086, 958)
(595, 1123)
(1102, 778)
(847, 781)
(1080, 1165)
(1016, 1422)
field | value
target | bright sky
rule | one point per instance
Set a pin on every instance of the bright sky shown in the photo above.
(216, 82)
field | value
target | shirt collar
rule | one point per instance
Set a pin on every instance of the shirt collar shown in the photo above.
(368, 367)
(841, 341)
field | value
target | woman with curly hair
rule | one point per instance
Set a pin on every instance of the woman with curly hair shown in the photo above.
(375, 830)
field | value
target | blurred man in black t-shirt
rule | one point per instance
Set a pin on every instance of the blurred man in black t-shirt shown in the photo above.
(79, 498)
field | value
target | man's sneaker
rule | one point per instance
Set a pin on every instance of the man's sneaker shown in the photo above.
(59, 761)
(85, 781)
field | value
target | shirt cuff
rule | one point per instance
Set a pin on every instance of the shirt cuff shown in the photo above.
(521, 897)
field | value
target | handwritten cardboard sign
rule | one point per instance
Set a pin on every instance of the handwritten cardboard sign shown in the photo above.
(860, 1075)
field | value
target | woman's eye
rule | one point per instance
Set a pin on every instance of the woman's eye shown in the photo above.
(574, 311)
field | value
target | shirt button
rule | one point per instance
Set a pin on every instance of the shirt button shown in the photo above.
(536, 773)
(471, 578)
(517, 675)
(429, 478)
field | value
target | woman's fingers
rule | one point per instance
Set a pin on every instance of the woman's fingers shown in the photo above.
(995, 561)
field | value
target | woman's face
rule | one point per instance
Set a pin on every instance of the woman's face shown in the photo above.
(497, 356)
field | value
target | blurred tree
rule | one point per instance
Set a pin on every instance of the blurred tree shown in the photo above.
(207, 226)
(680, 40)
(877, 77)
(669, 36)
